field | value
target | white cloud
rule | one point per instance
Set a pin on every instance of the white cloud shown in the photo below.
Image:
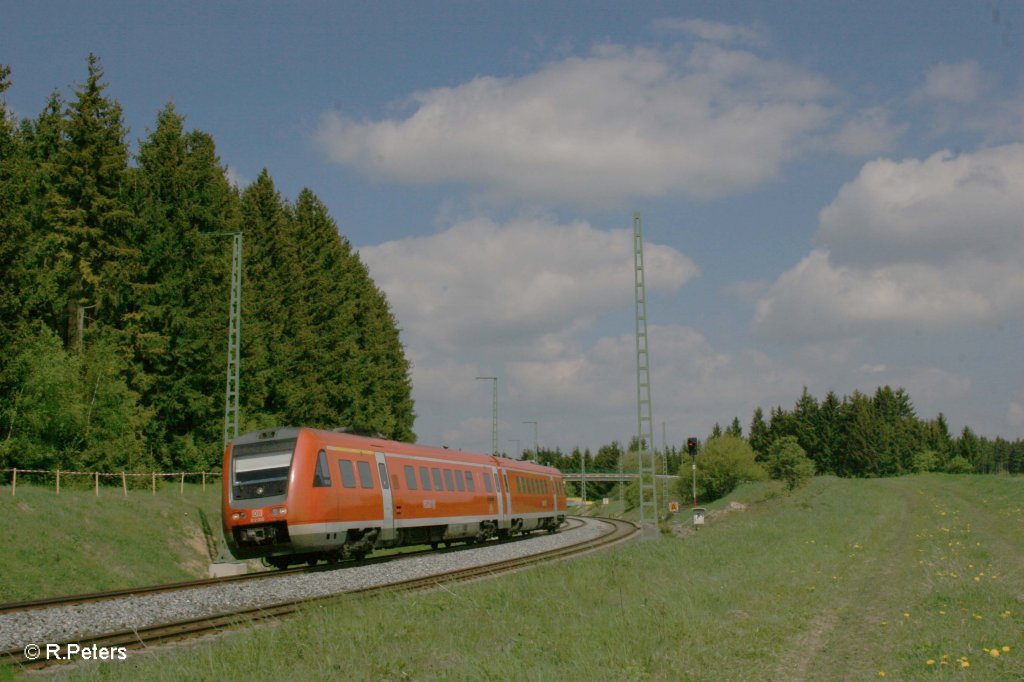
(1015, 415)
(958, 83)
(921, 244)
(595, 130)
(868, 132)
(530, 281)
(713, 31)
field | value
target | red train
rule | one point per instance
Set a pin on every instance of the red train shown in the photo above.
(295, 495)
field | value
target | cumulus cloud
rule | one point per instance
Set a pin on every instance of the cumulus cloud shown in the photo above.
(957, 83)
(530, 281)
(713, 31)
(621, 122)
(868, 132)
(922, 244)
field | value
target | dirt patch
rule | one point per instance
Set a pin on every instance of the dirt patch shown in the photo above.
(195, 560)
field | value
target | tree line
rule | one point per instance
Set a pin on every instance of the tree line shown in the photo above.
(114, 291)
(853, 436)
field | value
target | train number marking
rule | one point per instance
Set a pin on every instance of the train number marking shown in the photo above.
(429, 504)
(257, 514)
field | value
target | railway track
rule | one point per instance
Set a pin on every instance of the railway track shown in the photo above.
(72, 600)
(145, 637)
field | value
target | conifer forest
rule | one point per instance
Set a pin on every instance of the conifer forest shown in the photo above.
(114, 295)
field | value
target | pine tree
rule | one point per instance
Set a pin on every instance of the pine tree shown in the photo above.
(183, 199)
(759, 434)
(88, 213)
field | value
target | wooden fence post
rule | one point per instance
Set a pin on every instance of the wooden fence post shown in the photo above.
(154, 483)
(58, 481)
(181, 488)
(96, 476)
(14, 482)
(204, 481)
(124, 485)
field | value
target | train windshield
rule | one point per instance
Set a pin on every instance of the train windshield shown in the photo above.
(261, 469)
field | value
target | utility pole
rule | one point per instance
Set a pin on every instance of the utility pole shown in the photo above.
(494, 415)
(536, 448)
(644, 421)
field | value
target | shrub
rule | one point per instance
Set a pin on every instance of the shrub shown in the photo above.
(725, 462)
(959, 465)
(924, 460)
(788, 462)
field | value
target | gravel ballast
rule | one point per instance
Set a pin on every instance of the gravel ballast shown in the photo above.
(64, 624)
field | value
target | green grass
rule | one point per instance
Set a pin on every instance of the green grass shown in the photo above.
(842, 580)
(76, 542)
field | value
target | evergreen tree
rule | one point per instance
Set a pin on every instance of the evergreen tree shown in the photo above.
(759, 434)
(87, 211)
(182, 198)
(735, 429)
(829, 429)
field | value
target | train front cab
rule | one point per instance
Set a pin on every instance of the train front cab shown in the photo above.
(257, 473)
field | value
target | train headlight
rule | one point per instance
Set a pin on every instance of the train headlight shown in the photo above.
(238, 516)
(278, 511)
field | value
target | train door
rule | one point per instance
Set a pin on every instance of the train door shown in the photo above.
(552, 486)
(387, 531)
(496, 481)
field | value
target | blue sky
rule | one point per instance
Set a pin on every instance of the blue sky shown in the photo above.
(832, 193)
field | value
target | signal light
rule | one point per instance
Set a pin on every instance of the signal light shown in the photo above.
(691, 446)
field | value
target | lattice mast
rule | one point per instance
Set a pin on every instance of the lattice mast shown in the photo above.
(646, 456)
(231, 389)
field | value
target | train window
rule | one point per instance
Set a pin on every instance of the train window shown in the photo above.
(469, 482)
(365, 479)
(322, 475)
(410, 477)
(437, 479)
(448, 480)
(348, 473)
(425, 478)
(459, 482)
(487, 483)
(383, 475)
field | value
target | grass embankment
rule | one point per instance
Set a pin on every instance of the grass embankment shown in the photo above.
(77, 542)
(909, 578)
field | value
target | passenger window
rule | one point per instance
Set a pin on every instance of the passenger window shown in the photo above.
(410, 477)
(322, 475)
(487, 483)
(383, 475)
(365, 479)
(448, 480)
(348, 473)
(437, 479)
(425, 478)
(469, 482)
(459, 483)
